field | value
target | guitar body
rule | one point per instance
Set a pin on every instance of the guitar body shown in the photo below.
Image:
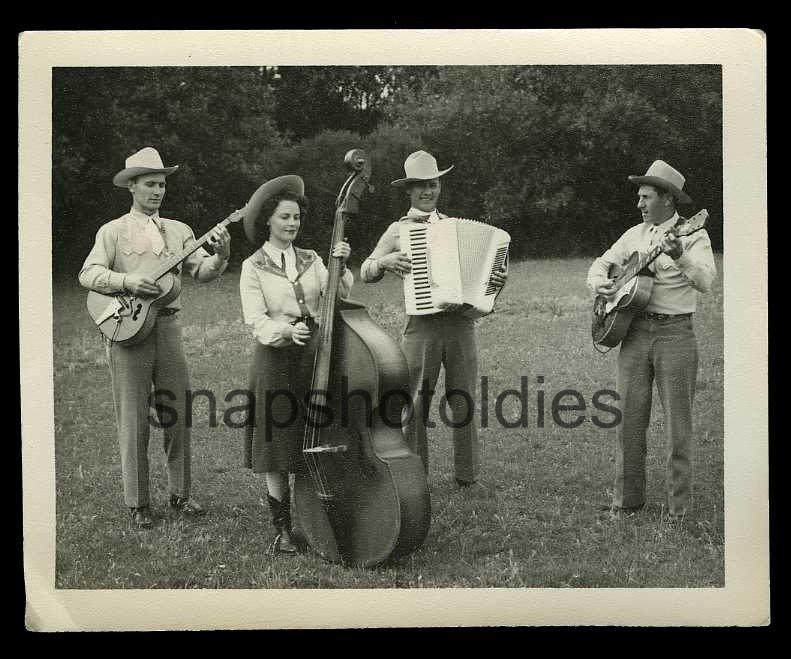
(381, 507)
(612, 318)
(126, 319)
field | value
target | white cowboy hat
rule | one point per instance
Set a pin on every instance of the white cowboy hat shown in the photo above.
(666, 177)
(287, 183)
(420, 166)
(145, 161)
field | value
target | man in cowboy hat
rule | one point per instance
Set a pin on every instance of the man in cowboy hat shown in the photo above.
(660, 344)
(434, 340)
(125, 250)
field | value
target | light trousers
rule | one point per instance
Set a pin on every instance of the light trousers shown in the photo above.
(159, 361)
(448, 340)
(664, 351)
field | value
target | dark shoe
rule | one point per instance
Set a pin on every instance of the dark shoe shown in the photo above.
(284, 542)
(473, 488)
(141, 517)
(186, 506)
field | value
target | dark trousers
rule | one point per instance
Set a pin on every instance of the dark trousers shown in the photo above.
(664, 351)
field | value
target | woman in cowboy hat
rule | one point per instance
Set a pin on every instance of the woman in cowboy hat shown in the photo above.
(280, 287)
(660, 344)
(125, 249)
(434, 340)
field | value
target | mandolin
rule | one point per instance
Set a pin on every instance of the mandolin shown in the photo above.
(612, 315)
(126, 318)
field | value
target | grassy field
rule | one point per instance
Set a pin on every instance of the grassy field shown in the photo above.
(540, 526)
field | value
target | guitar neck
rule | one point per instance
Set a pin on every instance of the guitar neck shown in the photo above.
(173, 261)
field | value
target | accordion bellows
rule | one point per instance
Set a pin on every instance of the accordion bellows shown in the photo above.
(452, 264)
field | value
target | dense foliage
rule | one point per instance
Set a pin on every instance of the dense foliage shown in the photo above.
(542, 151)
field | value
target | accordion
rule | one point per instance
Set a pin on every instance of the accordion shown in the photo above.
(452, 264)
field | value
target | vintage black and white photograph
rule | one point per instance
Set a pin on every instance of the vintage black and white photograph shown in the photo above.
(446, 329)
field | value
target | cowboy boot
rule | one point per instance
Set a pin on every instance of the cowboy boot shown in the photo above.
(281, 520)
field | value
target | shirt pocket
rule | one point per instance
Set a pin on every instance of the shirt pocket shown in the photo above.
(137, 244)
(667, 264)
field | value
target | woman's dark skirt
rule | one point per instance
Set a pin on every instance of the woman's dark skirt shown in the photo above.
(273, 441)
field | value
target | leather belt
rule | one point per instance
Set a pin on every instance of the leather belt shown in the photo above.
(167, 311)
(650, 315)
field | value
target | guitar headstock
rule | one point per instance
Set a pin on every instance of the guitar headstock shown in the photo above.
(692, 224)
(236, 216)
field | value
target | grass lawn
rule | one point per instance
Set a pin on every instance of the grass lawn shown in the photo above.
(540, 527)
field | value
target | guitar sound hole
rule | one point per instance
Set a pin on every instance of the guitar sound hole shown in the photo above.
(138, 308)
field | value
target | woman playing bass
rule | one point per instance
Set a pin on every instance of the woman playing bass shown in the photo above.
(280, 287)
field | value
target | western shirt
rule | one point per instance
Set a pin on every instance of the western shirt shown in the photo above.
(269, 295)
(280, 255)
(125, 245)
(677, 281)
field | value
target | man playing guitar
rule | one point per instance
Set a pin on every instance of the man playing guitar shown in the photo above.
(660, 343)
(126, 249)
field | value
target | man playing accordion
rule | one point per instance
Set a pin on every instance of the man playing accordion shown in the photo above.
(431, 341)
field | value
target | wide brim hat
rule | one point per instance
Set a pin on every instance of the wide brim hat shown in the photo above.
(145, 161)
(288, 183)
(420, 166)
(666, 177)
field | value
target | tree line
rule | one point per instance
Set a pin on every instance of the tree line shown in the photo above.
(541, 151)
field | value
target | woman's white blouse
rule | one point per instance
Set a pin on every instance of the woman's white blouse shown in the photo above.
(269, 299)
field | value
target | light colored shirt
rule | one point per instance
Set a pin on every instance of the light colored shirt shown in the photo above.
(126, 245)
(677, 282)
(390, 242)
(277, 255)
(269, 298)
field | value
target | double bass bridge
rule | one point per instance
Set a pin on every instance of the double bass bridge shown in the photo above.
(326, 448)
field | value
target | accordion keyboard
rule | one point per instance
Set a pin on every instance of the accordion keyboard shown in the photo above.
(421, 278)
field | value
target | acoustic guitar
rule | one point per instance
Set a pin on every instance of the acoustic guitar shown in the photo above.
(613, 314)
(126, 318)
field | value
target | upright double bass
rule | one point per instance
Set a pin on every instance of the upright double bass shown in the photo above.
(360, 495)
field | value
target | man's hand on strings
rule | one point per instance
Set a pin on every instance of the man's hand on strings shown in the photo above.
(141, 285)
(672, 246)
(606, 287)
(220, 241)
